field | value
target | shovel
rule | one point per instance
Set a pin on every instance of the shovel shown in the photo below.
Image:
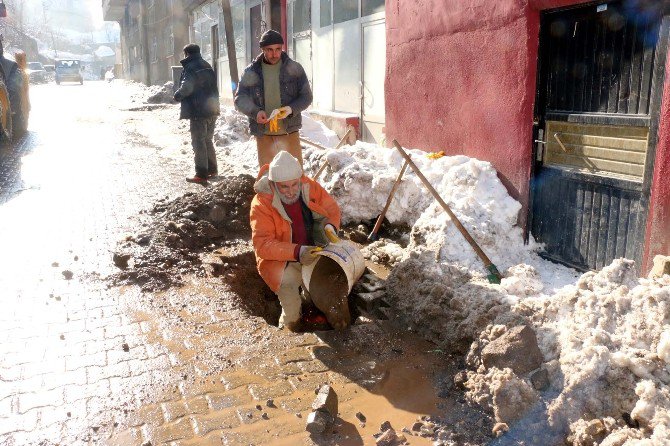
(373, 237)
(494, 275)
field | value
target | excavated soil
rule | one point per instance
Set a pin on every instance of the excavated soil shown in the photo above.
(172, 241)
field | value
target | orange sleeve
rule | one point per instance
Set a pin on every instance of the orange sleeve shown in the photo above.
(264, 237)
(328, 203)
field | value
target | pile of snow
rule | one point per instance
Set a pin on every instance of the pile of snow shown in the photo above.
(103, 51)
(604, 337)
(161, 94)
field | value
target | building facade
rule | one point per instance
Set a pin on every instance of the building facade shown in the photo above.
(568, 99)
(340, 43)
(153, 34)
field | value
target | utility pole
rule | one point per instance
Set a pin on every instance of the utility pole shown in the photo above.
(230, 44)
(144, 40)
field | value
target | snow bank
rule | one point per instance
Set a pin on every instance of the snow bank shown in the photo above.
(605, 336)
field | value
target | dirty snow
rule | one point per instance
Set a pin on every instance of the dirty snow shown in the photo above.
(605, 336)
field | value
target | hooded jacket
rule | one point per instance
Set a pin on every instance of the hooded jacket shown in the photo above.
(271, 226)
(198, 92)
(294, 88)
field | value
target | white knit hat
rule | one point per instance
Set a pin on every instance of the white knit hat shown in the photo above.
(284, 167)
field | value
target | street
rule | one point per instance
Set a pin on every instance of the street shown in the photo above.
(85, 360)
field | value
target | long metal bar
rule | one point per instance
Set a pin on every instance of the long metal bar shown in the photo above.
(373, 235)
(494, 275)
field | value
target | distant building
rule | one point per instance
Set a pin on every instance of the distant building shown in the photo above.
(153, 33)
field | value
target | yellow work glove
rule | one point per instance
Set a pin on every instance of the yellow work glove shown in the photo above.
(331, 233)
(308, 254)
(435, 155)
(283, 112)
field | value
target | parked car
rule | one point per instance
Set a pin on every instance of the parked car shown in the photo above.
(50, 68)
(36, 72)
(68, 70)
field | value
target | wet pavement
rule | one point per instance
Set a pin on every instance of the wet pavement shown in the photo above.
(84, 362)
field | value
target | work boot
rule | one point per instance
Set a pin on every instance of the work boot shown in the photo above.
(198, 180)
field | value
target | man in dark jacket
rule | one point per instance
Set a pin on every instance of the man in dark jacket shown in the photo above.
(273, 91)
(199, 97)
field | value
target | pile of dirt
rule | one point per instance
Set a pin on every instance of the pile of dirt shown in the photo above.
(161, 94)
(171, 242)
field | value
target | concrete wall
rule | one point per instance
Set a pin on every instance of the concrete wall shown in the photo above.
(461, 77)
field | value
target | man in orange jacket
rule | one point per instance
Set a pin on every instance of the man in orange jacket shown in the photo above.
(291, 215)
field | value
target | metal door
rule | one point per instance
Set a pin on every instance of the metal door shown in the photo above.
(374, 69)
(600, 76)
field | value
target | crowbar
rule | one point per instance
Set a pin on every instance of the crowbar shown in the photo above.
(373, 235)
(494, 275)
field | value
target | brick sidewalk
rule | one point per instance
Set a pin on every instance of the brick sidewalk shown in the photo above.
(84, 364)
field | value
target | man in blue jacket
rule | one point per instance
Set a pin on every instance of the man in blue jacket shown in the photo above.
(199, 97)
(274, 83)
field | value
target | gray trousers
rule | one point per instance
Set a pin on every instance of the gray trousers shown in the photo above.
(202, 133)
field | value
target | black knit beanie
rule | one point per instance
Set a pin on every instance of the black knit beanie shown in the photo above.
(271, 37)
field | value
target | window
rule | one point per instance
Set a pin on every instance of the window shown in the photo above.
(325, 17)
(373, 6)
(154, 49)
(344, 10)
(302, 12)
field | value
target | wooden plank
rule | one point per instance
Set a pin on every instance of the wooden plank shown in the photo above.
(597, 67)
(622, 230)
(632, 145)
(595, 165)
(598, 130)
(590, 65)
(586, 222)
(581, 69)
(601, 250)
(613, 223)
(636, 65)
(598, 153)
(579, 217)
(626, 54)
(632, 230)
(594, 228)
(615, 78)
(607, 61)
(570, 228)
(651, 35)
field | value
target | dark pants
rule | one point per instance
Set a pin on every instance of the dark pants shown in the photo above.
(202, 133)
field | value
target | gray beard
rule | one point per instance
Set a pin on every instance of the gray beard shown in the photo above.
(288, 201)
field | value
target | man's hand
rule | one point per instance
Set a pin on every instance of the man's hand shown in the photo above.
(331, 233)
(284, 112)
(262, 117)
(308, 254)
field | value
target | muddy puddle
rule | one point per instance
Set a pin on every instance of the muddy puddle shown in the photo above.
(247, 382)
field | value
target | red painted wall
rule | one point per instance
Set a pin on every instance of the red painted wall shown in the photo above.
(658, 221)
(461, 77)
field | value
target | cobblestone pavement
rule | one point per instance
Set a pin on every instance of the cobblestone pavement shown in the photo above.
(82, 363)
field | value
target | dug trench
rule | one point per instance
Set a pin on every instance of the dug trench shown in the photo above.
(191, 262)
